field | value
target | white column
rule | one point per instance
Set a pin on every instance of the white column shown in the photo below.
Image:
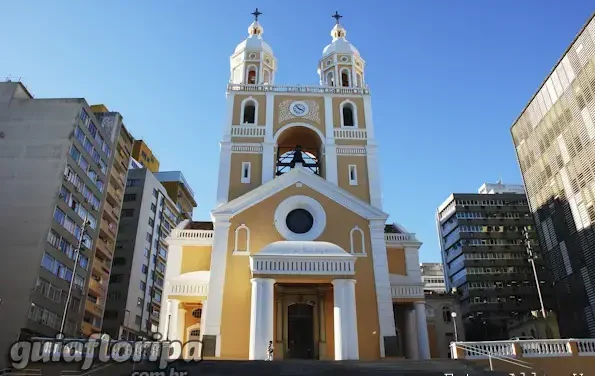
(173, 320)
(412, 351)
(182, 325)
(368, 118)
(422, 330)
(386, 315)
(212, 323)
(268, 146)
(412, 263)
(374, 175)
(261, 317)
(224, 173)
(203, 318)
(163, 316)
(268, 161)
(345, 320)
(229, 117)
(330, 149)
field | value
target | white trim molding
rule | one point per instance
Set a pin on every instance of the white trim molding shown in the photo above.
(363, 243)
(352, 150)
(248, 130)
(352, 174)
(246, 148)
(243, 107)
(299, 174)
(224, 173)
(246, 172)
(300, 202)
(353, 113)
(302, 258)
(243, 252)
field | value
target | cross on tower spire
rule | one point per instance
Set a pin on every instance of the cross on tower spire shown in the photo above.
(256, 13)
(337, 16)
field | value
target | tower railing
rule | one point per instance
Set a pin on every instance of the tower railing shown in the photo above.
(300, 89)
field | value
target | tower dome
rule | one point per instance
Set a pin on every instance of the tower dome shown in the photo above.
(253, 61)
(341, 63)
(339, 45)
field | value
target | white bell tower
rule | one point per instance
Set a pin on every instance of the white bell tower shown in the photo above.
(341, 64)
(253, 62)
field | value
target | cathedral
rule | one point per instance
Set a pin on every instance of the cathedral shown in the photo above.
(299, 252)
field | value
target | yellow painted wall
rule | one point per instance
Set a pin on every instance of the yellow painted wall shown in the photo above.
(236, 187)
(237, 108)
(190, 320)
(359, 104)
(396, 261)
(195, 259)
(148, 159)
(362, 189)
(236, 297)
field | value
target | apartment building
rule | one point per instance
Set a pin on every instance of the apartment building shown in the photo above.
(144, 156)
(554, 140)
(485, 258)
(136, 283)
(55, 166)
(96, 293)
(432, 276)
(179, 190)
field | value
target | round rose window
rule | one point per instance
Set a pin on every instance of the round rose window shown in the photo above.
(299, 221)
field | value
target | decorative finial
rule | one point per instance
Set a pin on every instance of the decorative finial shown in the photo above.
(337, 16)
(256, 14)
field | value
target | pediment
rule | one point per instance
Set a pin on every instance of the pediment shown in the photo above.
(299, 175)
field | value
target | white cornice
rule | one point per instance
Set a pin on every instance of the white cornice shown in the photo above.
(299, 175)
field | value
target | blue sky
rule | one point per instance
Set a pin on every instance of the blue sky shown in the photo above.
(448, 78)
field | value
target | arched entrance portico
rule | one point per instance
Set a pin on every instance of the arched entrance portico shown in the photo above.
(293, 280)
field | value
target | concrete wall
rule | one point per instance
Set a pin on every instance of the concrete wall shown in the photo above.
(33, 149)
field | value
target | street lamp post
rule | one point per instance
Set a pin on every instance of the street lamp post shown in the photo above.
(454, 323)
(531, 257)
(77, 254)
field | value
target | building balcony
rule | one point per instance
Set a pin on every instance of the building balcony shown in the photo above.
(99, 268)
(105, 249)
(94, 308)
(97, 287)
(88, 329)
(108, 228)
(114, 195)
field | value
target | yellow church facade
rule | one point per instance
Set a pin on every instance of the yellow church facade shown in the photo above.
(298, 252)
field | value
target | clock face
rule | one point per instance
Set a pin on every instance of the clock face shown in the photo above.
(299, 108)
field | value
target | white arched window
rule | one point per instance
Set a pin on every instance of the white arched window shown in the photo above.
(251, 75)
(249, 113)
(242, 240)
(266, 77)
(345, 77)
(359, 81)
(358, 243)
(348, 112)
(330, 79)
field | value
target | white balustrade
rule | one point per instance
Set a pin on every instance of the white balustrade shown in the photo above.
(537, 348)
(246, 148)
(585, 347)
(302, 266)
(192, 234)
(352, 134)
(351, 150)
(407, 291)
(541, 348)
(188, 288)
(248, 130)
(299, 89)
(504, 348)
(398, 237)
